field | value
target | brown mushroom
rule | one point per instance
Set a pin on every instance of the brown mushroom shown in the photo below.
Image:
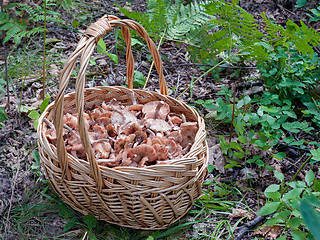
(188, 132)
(175, 136)
(71, 120)
(124, 143)
(133, 127)
(136, 107)
(142, 151)
(102, 150)
(158, 125)
(140, 137)
(111, 131)
(174, 150)
(104, 121)
(156, 110)
(96, 113)
(99, 131)
(161, 151)
(175, 120)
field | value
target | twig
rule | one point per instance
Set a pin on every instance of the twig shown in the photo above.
(64, 126)
(6, 64)
(233, 108)
(44, 50)
(296, 174)
(218, 64)
(206, 65)
(149, 73)
(10, 202)
(242, 231)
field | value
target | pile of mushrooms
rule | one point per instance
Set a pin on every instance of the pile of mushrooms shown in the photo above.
(137, 135)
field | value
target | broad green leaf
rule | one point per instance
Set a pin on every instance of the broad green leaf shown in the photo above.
(90, 221)
(294, 193)
(272, 188)
(211, 168)
(36, 156)
(3, 115)
(284, 237)
(75, 23)
(34, 114)
(309, 177)
(294, 222)
(301, 3)
(45, 103)
(269, 208)
(73, 222)
(101, 47)
(311, 218)
(135, 41)
(113, 57)
(236, 146)
(243, 139)
(315, 154)
(238, 154)
(280, 155)
(279, 175)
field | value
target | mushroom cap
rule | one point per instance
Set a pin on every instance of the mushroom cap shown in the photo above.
(136, 107)
(176, 120)
(156, 110)
(104, 120)
(188, 132)
(175, 136)
(102, 150)
(99, 131)
(140, 137)
(158, 125)
(144, 150)
(161, 151)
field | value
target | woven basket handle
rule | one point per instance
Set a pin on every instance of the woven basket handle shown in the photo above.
(85, 47)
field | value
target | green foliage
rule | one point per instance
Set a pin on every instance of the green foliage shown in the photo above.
(311, 218)
(178, 21)
(3, 117)
(34, 114)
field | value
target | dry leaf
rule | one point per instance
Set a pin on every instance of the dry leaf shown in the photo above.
(239, 213)
(269, 231)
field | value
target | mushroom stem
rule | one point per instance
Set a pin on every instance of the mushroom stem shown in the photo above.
(183, 117)
(133, 98)
(156, 115)
(50, 124)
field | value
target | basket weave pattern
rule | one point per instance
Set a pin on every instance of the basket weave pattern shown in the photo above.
(143, 198)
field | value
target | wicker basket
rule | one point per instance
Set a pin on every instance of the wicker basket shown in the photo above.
(143, 198)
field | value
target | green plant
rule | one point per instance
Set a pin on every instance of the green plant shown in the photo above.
(285, 203)
(34, 114)
(3, 117)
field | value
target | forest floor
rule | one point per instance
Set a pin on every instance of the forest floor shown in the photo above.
(29, 209)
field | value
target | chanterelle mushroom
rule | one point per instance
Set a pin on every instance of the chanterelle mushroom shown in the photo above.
(188, 132)
(156, 110)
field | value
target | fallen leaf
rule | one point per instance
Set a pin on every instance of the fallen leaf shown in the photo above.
(269, 231)
(239, 213)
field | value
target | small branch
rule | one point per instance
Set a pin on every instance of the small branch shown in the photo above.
(64, 126)
(242, 231)
(44, 50)
(149, 73)
(6, 64)
(206, 65)
(233, 108)
(296, 174)
(11, 200)
(218, 64)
